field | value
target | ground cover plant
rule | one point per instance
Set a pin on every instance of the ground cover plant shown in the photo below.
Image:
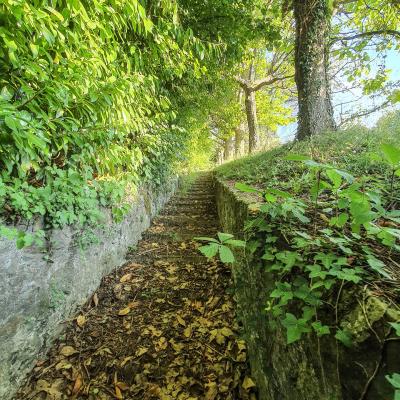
(325, 219)
(330, 218)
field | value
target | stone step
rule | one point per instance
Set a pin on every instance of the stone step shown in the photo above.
(176, 237)
(191, 210)
(197, 197)
(185, 221)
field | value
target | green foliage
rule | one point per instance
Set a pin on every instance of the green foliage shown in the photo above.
(394, 380)
(221, 246)
(371, 33)
(324, 223)
(94, 99)
(396, 327)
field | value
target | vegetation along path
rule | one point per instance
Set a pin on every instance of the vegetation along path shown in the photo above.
(160, 327)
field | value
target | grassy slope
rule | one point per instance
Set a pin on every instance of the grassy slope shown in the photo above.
(356, 151)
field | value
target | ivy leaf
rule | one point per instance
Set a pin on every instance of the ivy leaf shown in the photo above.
(378, 266)
(280, 193)
(223, 237)
(320, 329)
(270, 197)
(396, 326)
(344, 337)
(236, 243)
(226, 255)
(294, 327)
(206, 239)
(394, 380)
(209, 250)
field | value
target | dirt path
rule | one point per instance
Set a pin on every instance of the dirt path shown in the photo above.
(160, 327)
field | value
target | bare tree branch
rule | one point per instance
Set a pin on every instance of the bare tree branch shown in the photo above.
(365, 113)
(382, 32)
(260, 83)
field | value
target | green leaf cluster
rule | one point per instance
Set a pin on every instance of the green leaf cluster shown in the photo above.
(221, 246)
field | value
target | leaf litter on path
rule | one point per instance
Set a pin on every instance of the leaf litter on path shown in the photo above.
(161, 327)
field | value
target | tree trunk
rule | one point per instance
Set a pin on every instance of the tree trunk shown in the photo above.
(228, 149)
(251, 111)
(311, 63)
(220, 155)
(238, 141)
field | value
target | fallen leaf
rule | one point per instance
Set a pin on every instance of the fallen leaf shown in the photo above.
(124, 311)
(81, 320)
(181, 320)
(126, 278)
(248, 383)
(77, 385)
(226, 332)
(95, 300)
(188, 331)
(162, 344)
(52, 389)
(125, 360)
(178, 347)
(154, 331)
(118, 393)
(141, 351)
(68, 351)
(216, 335)
(123, 386)
(63, 365)
(212, 391)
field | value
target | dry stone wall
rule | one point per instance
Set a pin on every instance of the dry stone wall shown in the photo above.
(42, 287)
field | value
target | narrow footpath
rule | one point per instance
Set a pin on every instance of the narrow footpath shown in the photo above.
(159, 327)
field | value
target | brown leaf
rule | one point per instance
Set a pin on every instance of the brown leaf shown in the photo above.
(248, 383)
(180, 320)
(63, 365)
(212, 391)
(124, 311)
(125, 360)
(134, 304)
(95, 300)
(141, 351)
(52, 389)
(123, 386)
(118, 393)
(77, 385)
(81, 320)
(126, 278)
(188, 331)
(68, 351)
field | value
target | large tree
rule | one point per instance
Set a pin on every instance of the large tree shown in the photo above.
(311, 63)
